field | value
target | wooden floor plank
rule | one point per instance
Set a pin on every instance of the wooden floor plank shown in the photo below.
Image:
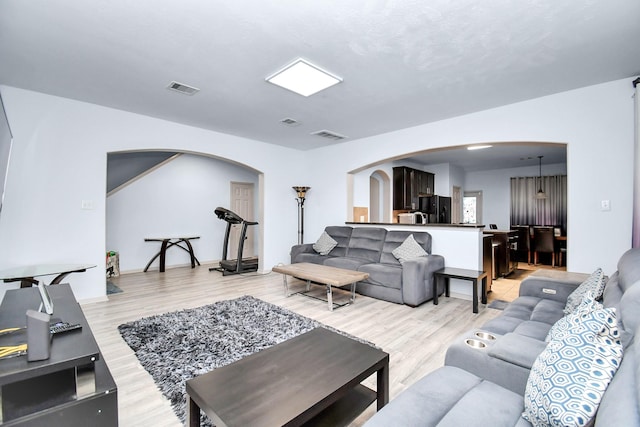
(416, 338)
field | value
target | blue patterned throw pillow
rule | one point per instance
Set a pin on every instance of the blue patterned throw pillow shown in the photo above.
(564, 324)
(595, 282)
(570, 376)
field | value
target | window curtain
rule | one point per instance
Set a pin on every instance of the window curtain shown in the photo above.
(527, 210)
(635, 234)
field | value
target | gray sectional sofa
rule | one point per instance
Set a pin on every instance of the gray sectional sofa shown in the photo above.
(369, 249)
(486, 386)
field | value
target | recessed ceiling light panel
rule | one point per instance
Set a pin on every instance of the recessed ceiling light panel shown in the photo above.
(303, 78)
(478, 147)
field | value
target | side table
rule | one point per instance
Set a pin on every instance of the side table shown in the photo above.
(464, 274)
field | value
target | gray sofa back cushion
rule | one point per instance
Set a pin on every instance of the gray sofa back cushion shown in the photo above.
(620, 403)
(340, 234)
(623, 293)
(395, 238)
(366, 243)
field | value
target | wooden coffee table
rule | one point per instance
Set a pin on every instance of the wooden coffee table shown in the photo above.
(323, 274)
(313, 378)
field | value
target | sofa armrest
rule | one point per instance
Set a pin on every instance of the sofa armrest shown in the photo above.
(517, 349)
(551, 285)
(417, 276)
(301, 249)
(506, 366)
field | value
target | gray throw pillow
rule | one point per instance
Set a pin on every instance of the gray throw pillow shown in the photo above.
(409, 249)
(595, 283)
(325, 244)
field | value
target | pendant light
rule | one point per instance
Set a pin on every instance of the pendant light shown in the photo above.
(541, 194)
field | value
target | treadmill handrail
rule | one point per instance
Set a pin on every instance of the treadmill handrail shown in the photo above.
(228, 216)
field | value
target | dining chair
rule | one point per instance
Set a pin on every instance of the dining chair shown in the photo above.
(524, 240)
(544, 242)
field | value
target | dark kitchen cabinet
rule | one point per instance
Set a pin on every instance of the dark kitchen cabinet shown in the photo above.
(408, 185)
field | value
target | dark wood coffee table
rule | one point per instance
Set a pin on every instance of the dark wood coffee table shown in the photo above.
(313, 378)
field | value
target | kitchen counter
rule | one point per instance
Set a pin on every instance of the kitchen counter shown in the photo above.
(385, 224)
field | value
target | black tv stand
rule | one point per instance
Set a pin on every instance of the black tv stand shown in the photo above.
(73, 387)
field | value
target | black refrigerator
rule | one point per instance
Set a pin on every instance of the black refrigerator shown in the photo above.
(437, 209)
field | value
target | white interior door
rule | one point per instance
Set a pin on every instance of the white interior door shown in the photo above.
(242, 204)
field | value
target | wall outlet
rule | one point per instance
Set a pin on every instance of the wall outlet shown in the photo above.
(605, 205)
(87, 204)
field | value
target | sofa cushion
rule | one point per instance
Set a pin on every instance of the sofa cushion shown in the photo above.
(570, 376)
(324, 244)
(594, 283)
(366, 243)
(532, 329)
(347, 263)
(342, 235)
(530, 316)
(383, 274)
(409, 249)
(620, 405)
(450, 396)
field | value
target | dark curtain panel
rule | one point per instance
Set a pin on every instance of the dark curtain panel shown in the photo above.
(527, 210)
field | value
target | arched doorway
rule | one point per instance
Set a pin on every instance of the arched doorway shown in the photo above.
(379, 197)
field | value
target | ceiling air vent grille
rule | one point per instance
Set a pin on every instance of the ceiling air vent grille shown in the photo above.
(290, 122)
(183, 88)
(329, 135)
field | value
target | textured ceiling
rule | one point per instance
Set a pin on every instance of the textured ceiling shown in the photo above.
(403, 62)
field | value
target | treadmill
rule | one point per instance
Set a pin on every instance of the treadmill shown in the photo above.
(238, 265)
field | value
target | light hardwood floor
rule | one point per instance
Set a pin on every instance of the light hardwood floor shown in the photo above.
(415, 338)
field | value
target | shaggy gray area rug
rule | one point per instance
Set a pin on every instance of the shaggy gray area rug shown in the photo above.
(175, 347)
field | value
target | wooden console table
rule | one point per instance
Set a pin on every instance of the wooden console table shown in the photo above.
(168, 242)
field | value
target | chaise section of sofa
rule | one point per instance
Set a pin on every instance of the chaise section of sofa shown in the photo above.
(370, 250)
(488, 388)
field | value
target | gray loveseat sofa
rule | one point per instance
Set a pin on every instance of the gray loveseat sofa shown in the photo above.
(485, 386)
(369, 249)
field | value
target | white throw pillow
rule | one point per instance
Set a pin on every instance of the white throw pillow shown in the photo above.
(325, 244)
(409, 249)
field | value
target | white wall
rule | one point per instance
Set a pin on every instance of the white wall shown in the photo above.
(177, 199)
(597, 124)
(59, 159)
(496, 190)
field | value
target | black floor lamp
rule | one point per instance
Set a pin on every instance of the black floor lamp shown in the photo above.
(301, 195)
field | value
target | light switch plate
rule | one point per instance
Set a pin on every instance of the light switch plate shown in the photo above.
(605, 205)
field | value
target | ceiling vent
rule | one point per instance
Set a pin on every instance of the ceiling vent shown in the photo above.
(183, 88)
(329, 135)
(290, 122)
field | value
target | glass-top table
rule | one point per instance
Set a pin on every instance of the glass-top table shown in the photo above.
(27, 274)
